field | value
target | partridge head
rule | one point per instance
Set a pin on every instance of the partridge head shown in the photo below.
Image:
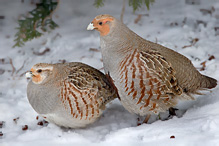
(150, 78)
(40, 73)
(70, 94)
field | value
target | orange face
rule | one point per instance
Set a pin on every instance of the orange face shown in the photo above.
(36, 78)
(102, 25)
(40, 72)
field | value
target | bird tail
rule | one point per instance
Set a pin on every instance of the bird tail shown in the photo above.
(208, 82)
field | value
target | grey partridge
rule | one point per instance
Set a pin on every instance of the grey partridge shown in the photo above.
(150, 78)
(70, 94)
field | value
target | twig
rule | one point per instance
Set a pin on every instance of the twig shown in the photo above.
(186, 46)
(156, 40)
(2, 61)
(203, 66)
(57, 35)
(35, 25)
(211, 57)
(50, 15)
(201, 22)
(23, 73)
(2, 71)
(193, 42)
(173, 24)
(184, 21)
(13, 68)
(216, 30)
(94, 50)
(16, 119)
(142, 14)
(2, 124)
(63, 61)
(206, 11)
(41, 53)
(82, 57)
(138, 18)
(123, 10)
(101, 68)
(204, 62)
(21, 67)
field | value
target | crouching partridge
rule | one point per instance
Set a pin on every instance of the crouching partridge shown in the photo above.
(70, 94)
(150, 78)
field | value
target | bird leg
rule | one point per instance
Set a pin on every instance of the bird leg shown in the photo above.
(138, 122)
(172, 111)
(147, 118)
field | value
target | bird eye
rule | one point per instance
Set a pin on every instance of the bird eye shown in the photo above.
(39, 70)
(100, 23)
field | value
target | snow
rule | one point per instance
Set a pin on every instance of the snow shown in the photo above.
(72, 42)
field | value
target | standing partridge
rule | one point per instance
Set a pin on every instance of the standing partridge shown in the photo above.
(70, 94)
(149, 78)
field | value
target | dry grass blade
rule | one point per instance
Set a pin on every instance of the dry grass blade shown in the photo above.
(12, 65)
(138, 18)
(21, 67)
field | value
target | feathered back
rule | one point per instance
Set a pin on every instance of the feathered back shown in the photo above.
(122, 40)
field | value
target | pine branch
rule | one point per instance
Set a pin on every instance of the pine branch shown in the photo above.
(148, 3)
(98, 3)
(40, 18)
(136, 4)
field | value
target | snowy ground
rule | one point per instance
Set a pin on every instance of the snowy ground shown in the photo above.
(171, 23)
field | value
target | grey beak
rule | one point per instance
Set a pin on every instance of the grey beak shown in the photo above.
(29, 74)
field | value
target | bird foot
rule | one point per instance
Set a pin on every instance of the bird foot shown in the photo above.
(172, 112)
(145, 120)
